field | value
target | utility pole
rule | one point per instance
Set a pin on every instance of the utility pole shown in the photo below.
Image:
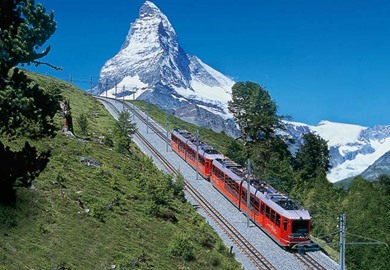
(91, 85)
(342, 220)
(248, 193)
(70, 78)
(167, 129)
(115, 88)
(106, 89)
(147, 119)
(197, 151)
(123, 98)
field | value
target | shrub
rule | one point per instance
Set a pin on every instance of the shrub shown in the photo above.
(108, 140)
(82, 121)
(7, 216)
(182, 246)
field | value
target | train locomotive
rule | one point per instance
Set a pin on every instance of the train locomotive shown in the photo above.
(276, 214)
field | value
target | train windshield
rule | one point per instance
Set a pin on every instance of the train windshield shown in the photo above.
(300, 226)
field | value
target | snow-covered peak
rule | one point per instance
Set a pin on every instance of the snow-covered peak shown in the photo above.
(152, 66)
(353, 148)
(149, 9)
(152, 28)
(338, 133)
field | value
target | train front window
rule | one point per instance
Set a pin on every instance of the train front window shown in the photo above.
(300, 226)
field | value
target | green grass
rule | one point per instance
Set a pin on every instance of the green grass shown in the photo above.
(50, 228)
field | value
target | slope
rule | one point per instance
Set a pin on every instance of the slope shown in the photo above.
(82, 217)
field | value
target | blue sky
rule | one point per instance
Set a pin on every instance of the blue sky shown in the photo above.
(320, 60)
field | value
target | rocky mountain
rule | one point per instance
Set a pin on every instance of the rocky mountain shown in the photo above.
(152, 66)
(379, 167)
(353, 148)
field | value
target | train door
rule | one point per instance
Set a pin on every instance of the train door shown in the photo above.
(284, 228)
(207, 166)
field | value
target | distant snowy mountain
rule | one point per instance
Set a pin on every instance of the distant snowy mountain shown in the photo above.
(152, 66)
(379, 167)
(353, 148)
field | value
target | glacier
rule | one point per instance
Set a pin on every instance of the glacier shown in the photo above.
(353, 148)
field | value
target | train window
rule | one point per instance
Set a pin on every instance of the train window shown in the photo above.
(285, 224)
(243, 195)
(277, 221)
(272, 215)
(255, 204)
(191, 154)
(201, 160)
(267, 211)
(300, 226)
(232, 187)
(262, 208)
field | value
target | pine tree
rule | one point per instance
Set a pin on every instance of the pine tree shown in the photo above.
(25, 109)
(24, 27)
(312, 159)
(123, 131)
(254, 111)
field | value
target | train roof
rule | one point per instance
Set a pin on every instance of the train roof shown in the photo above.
(278, 201)
(203, 148)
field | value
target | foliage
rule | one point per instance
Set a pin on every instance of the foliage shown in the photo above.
(123, 130)
(367, 208)
(254, 111)
(82, 121)
(7, 216)
(235, 151)
(384, 180)
(312, 158)
(107, 140)
(271, 159)
(182, 246)
(19, 168)
(25, 109)
(24, 27)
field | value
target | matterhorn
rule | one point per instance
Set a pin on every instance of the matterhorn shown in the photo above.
(152, 66)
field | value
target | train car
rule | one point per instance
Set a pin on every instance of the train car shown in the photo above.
(275, 213)
(185, 144)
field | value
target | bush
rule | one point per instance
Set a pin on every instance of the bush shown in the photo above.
(108, 140)
(182, 246)
(82, 121)
(7, 216)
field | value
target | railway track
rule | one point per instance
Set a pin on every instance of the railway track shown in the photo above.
(239, 240)
(234, 235)
(309, 261)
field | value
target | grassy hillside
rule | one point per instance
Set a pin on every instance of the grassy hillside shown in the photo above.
(125, 213)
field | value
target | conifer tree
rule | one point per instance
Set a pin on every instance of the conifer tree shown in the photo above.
(24, 28)
(25, 109)
(254, 111)
(256, 114)
(313, 157)
(123, 131)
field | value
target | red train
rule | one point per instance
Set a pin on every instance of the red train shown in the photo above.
(275, 213)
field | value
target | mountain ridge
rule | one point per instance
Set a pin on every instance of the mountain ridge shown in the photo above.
(152, 66)
(353, 148)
